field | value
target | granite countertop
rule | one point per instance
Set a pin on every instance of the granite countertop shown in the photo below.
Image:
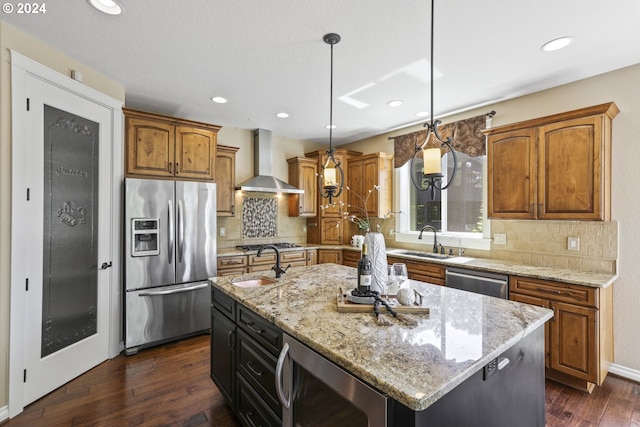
(414, 365)
(584, 278)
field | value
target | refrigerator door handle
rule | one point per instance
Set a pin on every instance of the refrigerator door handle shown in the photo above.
(180, 214)
(170, 226)
(173, 291)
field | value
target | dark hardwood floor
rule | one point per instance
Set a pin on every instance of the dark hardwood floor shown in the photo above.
(169, 385)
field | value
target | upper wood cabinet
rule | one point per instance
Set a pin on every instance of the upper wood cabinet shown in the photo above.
(166, 147)
(303, 173)
(555, 167)
(364, 173)
(327, 226)
(226, 180)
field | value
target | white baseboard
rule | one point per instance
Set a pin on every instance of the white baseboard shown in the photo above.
(4, 413)
(622, 371)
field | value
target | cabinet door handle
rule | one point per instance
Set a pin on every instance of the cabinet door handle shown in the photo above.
(250, 326)
(170, 164)
(233, 209)
(230, 340)
(540, 210)
(253, 370)
(177, 168)
(532, 210)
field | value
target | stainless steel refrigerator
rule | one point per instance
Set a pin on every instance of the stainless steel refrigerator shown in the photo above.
(170, 252)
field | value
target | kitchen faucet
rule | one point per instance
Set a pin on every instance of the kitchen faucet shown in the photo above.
(435, 236)
(279, 270)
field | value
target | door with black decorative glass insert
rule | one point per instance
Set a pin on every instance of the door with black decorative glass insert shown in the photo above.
(69, 178)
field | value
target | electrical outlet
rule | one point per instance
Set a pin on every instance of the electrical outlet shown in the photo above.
(573, 243)
(500, 239)
(223, 231)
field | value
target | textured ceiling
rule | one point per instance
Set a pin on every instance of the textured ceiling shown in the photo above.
(264, 56)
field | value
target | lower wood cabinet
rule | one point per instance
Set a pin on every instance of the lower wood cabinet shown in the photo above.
(350, 257)
(244, 350)
(579, 338)
(312, 256)
(329, 256)
(230, 265)
(423, 271)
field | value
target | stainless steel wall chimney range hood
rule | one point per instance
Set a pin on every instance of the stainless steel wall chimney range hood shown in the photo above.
(264, 181)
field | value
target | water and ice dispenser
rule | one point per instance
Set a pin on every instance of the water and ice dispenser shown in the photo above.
(145, 237)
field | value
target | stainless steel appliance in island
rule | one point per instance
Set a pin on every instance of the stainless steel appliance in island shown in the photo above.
(170, 252)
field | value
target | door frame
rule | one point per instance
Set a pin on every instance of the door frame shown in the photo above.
(22, 68)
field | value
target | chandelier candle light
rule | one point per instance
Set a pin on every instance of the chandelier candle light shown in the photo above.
(431, 157)
(331, 178)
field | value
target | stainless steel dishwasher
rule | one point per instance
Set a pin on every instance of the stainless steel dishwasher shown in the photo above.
(480, 282)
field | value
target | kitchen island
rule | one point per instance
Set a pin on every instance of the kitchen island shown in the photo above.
(425, 369)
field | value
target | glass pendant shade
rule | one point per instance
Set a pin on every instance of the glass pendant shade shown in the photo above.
(432, 164)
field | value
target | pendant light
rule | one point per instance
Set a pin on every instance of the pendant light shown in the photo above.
(331, 177)
(431, 157)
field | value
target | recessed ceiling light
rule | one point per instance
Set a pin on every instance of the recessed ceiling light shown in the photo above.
(109, 7)
(557, 44)
(219, 100)
(394, 103)
(330, 126)
(282, 115)
(422, 113)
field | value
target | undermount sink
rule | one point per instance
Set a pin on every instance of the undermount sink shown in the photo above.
(252, 283)
(423, 254)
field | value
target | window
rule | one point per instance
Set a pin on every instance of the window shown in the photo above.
(457, 213)
(459, 208)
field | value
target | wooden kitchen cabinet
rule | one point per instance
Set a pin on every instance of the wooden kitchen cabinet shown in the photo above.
(579, 338)
(423, 271)
(329, 256)
(364, 173)
(226, 180)
(351, 258)
(230, 265)
(327, 227)
(554, 167)
(303, 173)
(312, 256)
(159, 146)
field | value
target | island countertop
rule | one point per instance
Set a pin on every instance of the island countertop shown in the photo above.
(414, 365)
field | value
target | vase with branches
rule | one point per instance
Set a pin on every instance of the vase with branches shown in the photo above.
(359, 215)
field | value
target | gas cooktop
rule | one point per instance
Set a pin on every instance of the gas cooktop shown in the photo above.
(277, 245)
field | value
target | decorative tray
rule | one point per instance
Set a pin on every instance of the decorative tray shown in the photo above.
(362, 305)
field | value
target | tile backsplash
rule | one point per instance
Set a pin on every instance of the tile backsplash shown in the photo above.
(267, 221)
(544, 243)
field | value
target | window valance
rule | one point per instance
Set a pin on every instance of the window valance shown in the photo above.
(466, 135)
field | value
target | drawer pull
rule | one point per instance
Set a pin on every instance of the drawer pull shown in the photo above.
(250, 326)
(253, 370)
(232, 262)
(552, 291)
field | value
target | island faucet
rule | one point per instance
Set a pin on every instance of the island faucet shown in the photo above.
(435, 236)
(279, 270)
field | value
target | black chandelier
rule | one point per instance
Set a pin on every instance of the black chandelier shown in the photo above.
(431, 157)
(331, 178)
